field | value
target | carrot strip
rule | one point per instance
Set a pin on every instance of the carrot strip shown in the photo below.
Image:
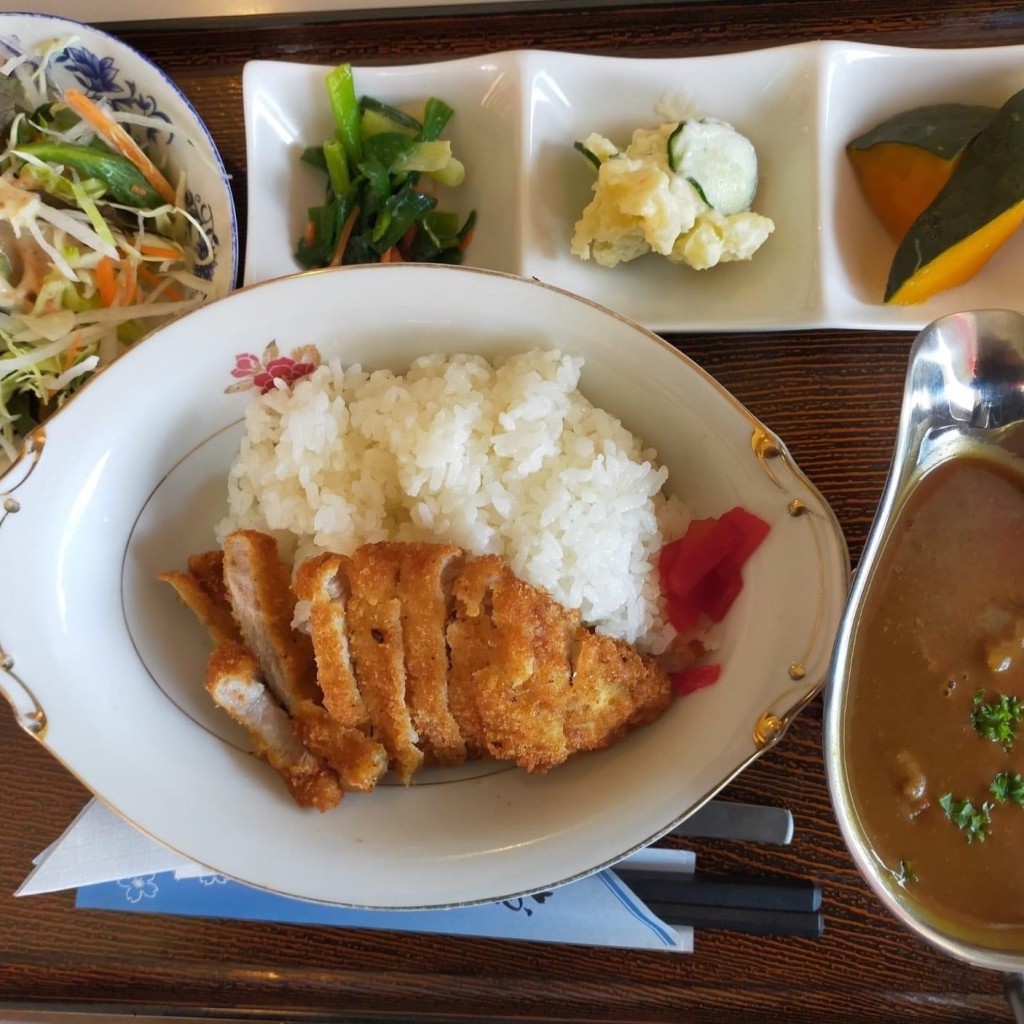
(309, 235)
(171, 291)
(391, 255)
(405, 242)
(346, 231)
(129, 283)
(116, 137)
(105, 281)
(72, 350)
(157, 252)
(464, 244)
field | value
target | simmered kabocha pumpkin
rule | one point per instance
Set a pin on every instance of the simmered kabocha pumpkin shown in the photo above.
(903, 163)
(978, 209)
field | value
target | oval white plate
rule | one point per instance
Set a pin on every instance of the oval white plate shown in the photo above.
(106, 668)
(518, 113)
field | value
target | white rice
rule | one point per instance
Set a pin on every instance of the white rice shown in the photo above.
(507, 459)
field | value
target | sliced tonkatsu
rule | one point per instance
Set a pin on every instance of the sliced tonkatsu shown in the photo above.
(259, 588)
(376, 640)
(425, 578)
(202, 590)
(416, 654)
(233, 681)
(522, 692)
(471, 639)
(322, 582)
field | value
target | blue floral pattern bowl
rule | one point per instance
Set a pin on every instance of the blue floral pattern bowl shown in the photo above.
(104, 67)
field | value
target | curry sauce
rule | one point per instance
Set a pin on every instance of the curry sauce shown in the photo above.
(938, 662)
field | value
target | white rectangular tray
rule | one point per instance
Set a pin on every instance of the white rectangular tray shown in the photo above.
(518, 113)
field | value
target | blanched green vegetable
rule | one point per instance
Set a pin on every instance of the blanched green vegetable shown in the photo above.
(376, 210)
(342, 93)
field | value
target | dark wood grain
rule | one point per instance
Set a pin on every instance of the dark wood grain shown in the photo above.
(834, 398)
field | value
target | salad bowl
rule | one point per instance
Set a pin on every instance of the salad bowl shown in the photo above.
(126, 101)
(106, 669)
(104, 67)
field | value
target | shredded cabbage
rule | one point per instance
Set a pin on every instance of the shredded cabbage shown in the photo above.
(82, 277)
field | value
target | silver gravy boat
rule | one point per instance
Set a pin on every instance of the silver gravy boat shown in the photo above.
(964, 393)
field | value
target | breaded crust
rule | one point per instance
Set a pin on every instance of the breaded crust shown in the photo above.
(359, 761)
(471, 639)
(323, 582)
(615, 689)
(208, 568)
(523, 693)
(204, 601)
(425, 579)
(259, 586)
(378, 652)
(233, 681)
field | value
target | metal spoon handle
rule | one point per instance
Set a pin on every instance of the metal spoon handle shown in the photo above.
(1013, 987)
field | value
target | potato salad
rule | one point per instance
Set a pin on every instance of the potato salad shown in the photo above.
(682, 190)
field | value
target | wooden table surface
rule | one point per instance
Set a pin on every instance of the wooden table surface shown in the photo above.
(833, 396)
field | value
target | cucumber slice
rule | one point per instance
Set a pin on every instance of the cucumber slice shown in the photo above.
(719, 162)
(590, 155)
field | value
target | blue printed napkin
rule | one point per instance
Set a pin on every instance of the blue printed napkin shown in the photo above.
(115, 867)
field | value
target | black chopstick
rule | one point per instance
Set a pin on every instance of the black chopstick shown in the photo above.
(758, 906)
(789, 895)
(742, 919)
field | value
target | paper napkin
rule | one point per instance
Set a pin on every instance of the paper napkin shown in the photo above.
(115, 867)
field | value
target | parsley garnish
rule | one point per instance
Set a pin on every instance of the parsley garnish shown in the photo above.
(1008, 787)
(973, 820)
(999, 720)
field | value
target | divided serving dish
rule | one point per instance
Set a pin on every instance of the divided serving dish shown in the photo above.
(518, 113)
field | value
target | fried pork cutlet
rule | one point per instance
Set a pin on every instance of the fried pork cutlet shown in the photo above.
(259, 587)
(359, 760)
(426, 574)
(422, 654)
(202, 591)
(374, 614)
(233, 681)
(323, 582)
(614, 689)
(531, 683)
(471, 638)
(522, 693)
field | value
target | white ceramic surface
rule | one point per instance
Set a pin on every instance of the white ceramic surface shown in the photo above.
(106, 667)
(286, 110)
(861, 87)
(518, 113)
(103, 66)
